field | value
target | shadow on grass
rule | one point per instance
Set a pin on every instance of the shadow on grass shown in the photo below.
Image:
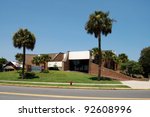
(28, 75)
(102, 78)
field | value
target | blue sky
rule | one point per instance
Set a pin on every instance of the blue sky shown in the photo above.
(59, 25)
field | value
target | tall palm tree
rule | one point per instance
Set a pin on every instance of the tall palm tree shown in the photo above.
(99, 23)
(26, 40)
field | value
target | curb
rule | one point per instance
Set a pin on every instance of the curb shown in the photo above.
(55, 83)
(65, 87)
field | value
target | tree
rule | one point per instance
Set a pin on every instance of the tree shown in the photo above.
(44, 59)
(137, 68)
(36, 60)
(95, 52)
(123, 58)
(99, 23)
(108, 57)
(131, 67)
(26, 40)
(2, 61)
(144, 60)
(19, 57)
(117, 61)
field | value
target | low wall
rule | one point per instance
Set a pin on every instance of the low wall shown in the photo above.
(93, 70)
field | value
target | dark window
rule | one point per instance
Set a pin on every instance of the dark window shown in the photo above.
(79, 65)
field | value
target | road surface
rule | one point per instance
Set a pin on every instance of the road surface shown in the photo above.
(32, 93)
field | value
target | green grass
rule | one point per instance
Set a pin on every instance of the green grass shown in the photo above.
(58, 76)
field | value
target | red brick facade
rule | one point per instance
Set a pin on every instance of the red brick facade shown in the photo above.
(93, 70)
(92, 67)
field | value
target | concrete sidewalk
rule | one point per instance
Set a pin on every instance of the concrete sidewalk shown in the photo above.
(59, 83)
(131, 83)
(137, 84)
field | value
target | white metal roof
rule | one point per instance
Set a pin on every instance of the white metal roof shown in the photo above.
(78, 55)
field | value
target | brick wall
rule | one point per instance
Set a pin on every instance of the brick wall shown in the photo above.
(108, 73)
(29, 58)
(65, 65)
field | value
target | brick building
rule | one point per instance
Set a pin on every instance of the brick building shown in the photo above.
(72, 60)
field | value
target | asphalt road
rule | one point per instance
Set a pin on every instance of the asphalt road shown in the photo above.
(32, 93)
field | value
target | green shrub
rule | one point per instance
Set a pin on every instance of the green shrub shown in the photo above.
(28, 75)
(45, 71)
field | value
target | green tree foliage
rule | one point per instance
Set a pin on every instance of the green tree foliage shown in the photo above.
(2, 61)
(44, 59)
(36, 60)
(26, 40)
(117, 61)
(131, 67)
(99, 23)
(145, 61)
(108, 57)
(123, 58)
(95, 52)
(19, 57)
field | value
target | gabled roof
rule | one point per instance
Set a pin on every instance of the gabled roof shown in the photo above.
(58, 57)
(9, 65)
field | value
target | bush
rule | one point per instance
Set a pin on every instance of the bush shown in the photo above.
(28, 75)
(45, 71)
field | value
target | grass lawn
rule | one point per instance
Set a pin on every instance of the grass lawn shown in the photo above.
(58, 76)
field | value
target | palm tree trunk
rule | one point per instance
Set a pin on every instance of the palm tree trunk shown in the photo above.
(24, 51)
(100, 56)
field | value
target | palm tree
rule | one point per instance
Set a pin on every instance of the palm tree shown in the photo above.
(108, 58)
(99, 23)
(36, 60)
(26, 40)
(95, 52)
(44, 59)
(117, 61)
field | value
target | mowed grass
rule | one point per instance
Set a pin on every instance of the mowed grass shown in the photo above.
(58, 76)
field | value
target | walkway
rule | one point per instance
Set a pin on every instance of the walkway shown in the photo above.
(59, 83)
(137, 84)
(131, 83)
